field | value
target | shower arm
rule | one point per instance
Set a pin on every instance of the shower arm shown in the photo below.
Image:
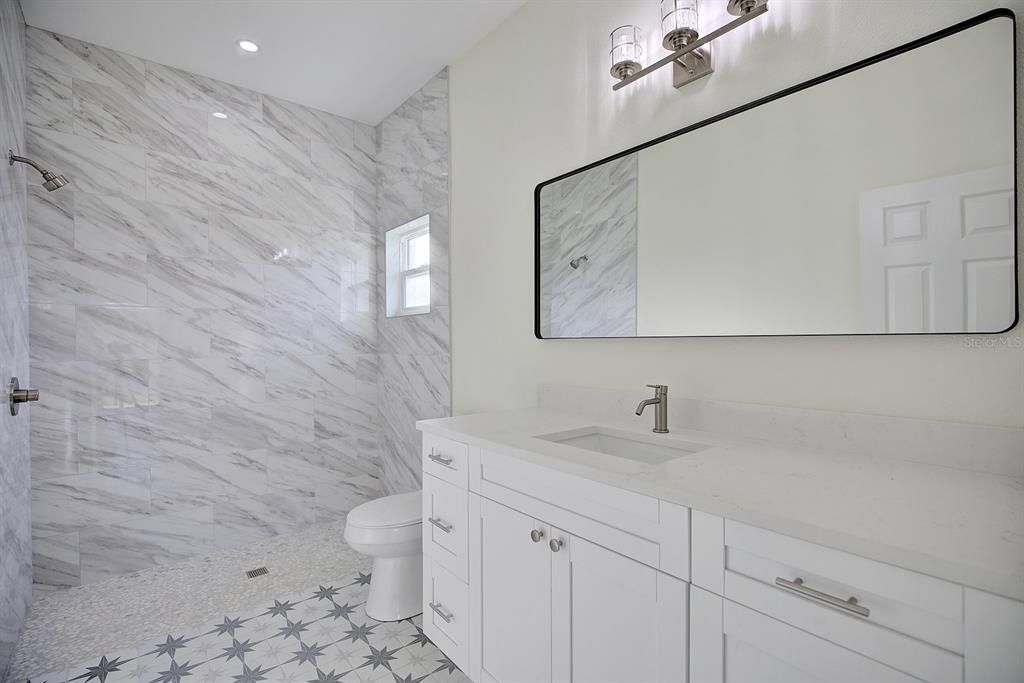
(12, 157)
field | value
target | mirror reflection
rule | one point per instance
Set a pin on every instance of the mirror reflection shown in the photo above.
(880, 201)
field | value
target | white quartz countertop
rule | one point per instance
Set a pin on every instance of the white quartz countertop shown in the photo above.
(962, 526)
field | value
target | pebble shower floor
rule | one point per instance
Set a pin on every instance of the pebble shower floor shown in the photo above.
(321, 636)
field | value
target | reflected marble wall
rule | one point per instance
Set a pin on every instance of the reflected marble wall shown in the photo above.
(15, 533)
(592, 214)
(203, 313)
(415, 351)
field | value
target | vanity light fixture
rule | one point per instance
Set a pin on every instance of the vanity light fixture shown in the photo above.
(248, 46)
(690, 52)
(678, 23)
(627, 50)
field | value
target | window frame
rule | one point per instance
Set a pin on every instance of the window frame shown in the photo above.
(397, 304)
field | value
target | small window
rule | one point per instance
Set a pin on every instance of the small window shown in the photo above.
(408, 268)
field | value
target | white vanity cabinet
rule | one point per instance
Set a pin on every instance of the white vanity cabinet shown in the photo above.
(556, 607)
(767, 608)
(535, 574)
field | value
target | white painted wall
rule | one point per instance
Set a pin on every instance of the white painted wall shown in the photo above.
(752, 225)
(534, 100)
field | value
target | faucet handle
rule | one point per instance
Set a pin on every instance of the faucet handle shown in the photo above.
(658, 386)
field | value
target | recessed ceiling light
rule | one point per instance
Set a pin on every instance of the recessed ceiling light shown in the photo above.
(248, 46)
(219, 115)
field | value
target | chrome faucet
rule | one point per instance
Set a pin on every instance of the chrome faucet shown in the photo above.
(661, 413)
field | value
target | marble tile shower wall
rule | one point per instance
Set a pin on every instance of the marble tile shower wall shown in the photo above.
(203, 316)
(15, 535)
(415, 351)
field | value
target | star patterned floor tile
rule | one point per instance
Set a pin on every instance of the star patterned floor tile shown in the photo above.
(416, 659)
(319, 636)
(446, 677)
(395, 634)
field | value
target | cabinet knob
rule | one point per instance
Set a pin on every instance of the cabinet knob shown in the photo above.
(555, 544)
(536, 535)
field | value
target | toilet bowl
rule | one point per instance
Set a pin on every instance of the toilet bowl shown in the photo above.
(390, 531)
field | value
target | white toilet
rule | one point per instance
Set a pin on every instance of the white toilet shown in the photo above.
(390, 531)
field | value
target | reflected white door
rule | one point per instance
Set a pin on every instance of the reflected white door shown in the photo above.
(937, 255)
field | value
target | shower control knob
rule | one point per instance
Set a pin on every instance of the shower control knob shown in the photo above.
(536, 535)
(19, 395)
(555, 544)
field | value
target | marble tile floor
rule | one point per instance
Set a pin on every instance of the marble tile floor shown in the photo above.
(69, 631)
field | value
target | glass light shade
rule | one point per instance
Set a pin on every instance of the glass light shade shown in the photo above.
(678, 23)
(627, 51)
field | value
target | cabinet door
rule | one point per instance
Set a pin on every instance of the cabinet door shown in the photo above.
(730, 643)
(515, 590)
(627, 621)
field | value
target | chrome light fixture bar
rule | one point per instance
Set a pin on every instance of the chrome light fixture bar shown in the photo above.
(691, 61)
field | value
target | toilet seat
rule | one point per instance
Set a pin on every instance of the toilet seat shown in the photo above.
(391, 512)
(382, 537)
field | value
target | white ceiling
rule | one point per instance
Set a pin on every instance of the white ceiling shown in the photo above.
(356, 58)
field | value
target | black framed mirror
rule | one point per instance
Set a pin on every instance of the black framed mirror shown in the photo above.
(876, 199)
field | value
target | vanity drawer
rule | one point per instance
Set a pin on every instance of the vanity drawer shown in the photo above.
(445, 522)
(907, 620)
(759, 649)
(446, 612)
(446, 459)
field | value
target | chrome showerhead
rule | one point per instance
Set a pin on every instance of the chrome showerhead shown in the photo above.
(53, 182)
(50, 181)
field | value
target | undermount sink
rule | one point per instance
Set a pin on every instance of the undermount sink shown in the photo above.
(650, 449)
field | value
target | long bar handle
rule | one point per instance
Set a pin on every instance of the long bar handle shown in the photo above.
(445, 460)
(440, 524)
(440, 611)
(797, 586)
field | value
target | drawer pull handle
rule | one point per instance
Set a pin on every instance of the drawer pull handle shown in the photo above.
(440, 611)
(555, 544)
(440, 524)
(797, 586)
(445, 460)
(536, 535)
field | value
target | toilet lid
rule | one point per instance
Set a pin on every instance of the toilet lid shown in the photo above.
(403, 509)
